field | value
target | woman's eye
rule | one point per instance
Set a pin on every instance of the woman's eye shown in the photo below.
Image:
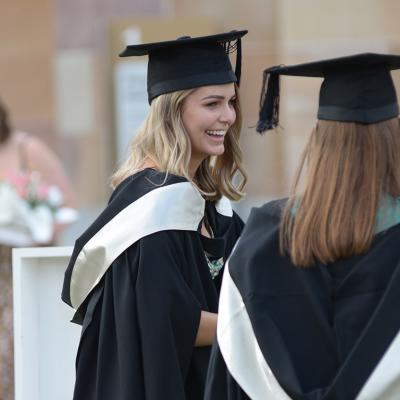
(213, 104)
(232, 102)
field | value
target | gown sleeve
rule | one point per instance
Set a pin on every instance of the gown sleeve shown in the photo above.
(168, 313)
(139, 337)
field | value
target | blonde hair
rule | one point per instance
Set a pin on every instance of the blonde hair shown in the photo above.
(349, 167)
(162, 140)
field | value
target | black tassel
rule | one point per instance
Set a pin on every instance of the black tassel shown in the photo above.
(269, 102)
(238, 67)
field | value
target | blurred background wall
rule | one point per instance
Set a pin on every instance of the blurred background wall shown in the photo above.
(62, 80)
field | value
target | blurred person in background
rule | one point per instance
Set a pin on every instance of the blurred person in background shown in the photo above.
(310, 300)
(35, 201)
(145, 277)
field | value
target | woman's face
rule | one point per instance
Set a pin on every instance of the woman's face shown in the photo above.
(207, 114)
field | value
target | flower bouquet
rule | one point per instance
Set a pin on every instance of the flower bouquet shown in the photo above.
(29, 209)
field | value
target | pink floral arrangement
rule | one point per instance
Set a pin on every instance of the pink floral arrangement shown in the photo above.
(31, 188)
(29, 209)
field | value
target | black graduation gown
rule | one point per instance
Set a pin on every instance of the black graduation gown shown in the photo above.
(141, 319)
(330, 332)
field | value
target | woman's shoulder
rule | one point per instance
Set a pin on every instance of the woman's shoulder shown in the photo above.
(18, 136)
(259, 242)
(221, 207)
(37, 154)
(270, 210)
(263, 224)
(144, 181)
(159, 195)
(32, 144)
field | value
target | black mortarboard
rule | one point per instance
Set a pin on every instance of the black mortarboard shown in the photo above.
(357, 88)
(187, 62)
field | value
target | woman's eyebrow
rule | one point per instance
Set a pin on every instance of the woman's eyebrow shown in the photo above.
(214, 96)
(217, 96)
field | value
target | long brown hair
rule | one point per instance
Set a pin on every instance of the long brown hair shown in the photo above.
(5, 129)
(162, 140)
(349, 167)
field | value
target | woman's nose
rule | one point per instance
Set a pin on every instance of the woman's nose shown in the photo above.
(228, 114)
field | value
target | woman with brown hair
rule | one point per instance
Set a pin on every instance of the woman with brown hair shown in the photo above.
(145, 277)
(31, 178)
(309, 302)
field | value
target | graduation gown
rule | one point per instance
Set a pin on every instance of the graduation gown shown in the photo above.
(139, 279)
(330, 332)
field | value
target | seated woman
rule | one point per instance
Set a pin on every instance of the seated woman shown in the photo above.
(145, 277)
(309, 305)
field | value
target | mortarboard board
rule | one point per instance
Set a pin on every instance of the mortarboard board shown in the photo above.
(187, 62)
(357, 88)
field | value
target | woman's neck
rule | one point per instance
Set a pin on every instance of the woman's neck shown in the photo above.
(193, 166)
(148, 164)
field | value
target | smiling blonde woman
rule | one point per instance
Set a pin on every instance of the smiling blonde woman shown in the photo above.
(145, 277)
(163, 141)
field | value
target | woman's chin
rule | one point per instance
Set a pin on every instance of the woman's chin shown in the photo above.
(216, 150)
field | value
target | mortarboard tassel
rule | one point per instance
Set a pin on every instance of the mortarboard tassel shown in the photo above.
(269, 102)
(238, 66)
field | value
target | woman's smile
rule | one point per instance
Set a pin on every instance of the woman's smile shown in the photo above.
(216, 134)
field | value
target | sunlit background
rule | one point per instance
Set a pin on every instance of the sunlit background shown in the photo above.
(62, 80)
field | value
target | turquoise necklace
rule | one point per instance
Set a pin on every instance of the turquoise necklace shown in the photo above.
(214, 266)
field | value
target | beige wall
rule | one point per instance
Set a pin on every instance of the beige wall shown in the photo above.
(36, 34)
(27, 45)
